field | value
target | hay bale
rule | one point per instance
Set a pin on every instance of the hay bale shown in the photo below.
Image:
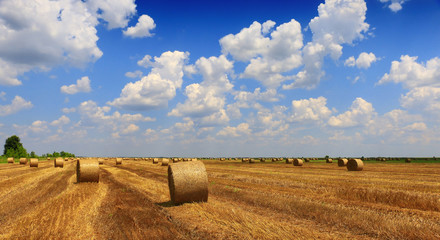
(289, 160)
(10, 160)
(118, 161)
(23, 161)
(245, 160)
(298, 162)
(355, 165)
(188, 182)
(307, 160)
(33, 162)
(66, 159)
(155, 160)
(165, 162)
(342, 162)
(100, 161)
(58, 162)
(48, 159)
(194, 159)
(222, 159)
(175, 159)
(408, 160)
(252, 160)
(262, 160)
(329, 160)
(87, 170)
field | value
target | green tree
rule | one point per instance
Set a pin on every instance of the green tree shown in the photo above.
(33, 155)
(14, 148)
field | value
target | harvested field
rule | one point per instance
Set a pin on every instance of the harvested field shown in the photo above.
(267, 200)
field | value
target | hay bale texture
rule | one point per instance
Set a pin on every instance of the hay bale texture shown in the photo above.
(355, 165)
(100, 161)
(329, 160)
(188, 182)
(23, 161)
(87, 170)
(165, 162)
(118, 161)
(33, 162)
(155, 160)
(10, 160)
(58, 162)
(298, 162)
(289, 160)
(252, 160)
(342, 162)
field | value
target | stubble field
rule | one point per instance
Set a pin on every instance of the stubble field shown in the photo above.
(246, 201)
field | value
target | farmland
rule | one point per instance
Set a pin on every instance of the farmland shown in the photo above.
(272, 200)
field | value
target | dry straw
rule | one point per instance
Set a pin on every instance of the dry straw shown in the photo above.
(329, 160)
(87, 170)
(342, 162)
(10, 160)
(289, 160)
(298, 162)
(188, 182)
(118, 161)
(33, 162)
(165, 162)
(58, 162)
(355, 165)
(155, 160)
(100, 161)
(23, 161)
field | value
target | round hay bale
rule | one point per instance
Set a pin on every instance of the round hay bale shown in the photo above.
(329, 160)
(408, 160)
(118, 161)
(100, 161)
(10, 160)
(252, 160)
(23, 161)
(298, 162)
(245, 160)
(262, 160)
(289, 160)
(342, 162)
(307, 160)
(48, 159)
(222, 159)
(175, 159)
(355, 165)
(58, 162)
(155, 160)
(165, 162)
(194, 159)
(188, 182)
(87, 170)
(33, 162)
(66, 159)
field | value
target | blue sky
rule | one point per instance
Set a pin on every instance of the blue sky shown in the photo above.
(204, 78)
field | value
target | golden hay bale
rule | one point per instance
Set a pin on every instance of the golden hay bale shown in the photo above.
(33, 162)
(329, 160)
(118, 161)
(58, 162)
(155, 160)
(188, 182)
(342, 162)
(175, 159)
(408, 160)
(165, 162)
(100, 161)
(10, 160)
(87, 170)
(194, 159)
(289, 160)
(355, 165)
(245, 160)
(307, 160)
(262, 160)
(298, 162)
(48, 159)
(66, 159)
(185, 159)
(252, 160)
(23, 160)
(222, 159)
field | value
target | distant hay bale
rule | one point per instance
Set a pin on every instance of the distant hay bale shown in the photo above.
(66, 159)
(188, 182)
(262, 160)
(194, 159)
(58, 162)
(298, 162)
(100, 161)
(175, 160)
(355, 165)
(252, 160)
(23, 161)
(408, 160)
(165, 162)
(118, 161)
(307, 160)
(342, 162)
(87, 170)
(33, 162)
(289, 160)
(155, 160)
(10, 160)
(245, 160)
(48, 159)
(329, 160)
(222, 159)
(185, 159)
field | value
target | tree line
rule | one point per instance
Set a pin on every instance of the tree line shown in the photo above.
(14, 148)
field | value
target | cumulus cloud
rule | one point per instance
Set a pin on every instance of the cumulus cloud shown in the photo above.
(68, 110)
(269, 57)
(394, 5)
(82, 85)
(339, 22)
(63, 120)
(38, 35)
(158, 87)
(142, 29)
(135, 74)
(240, 130)
(130, 129)
(17, 104)
(422, 98)
(364, 60)
(312, 109)
(360, 113)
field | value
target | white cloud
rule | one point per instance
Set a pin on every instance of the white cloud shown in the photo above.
(312, 109)
(2, 96)
(422, 98)
(115, 12)
(68, 110)
(142, 29)
(158, 87)
(395, 5)
(412, 74)
(135, 74)
(17, 104)
(82, 85)
(361, 113)
(364, 60)
(339, 22)
(63, 120)
(417, 126)
(240, 130)
(130, 129)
